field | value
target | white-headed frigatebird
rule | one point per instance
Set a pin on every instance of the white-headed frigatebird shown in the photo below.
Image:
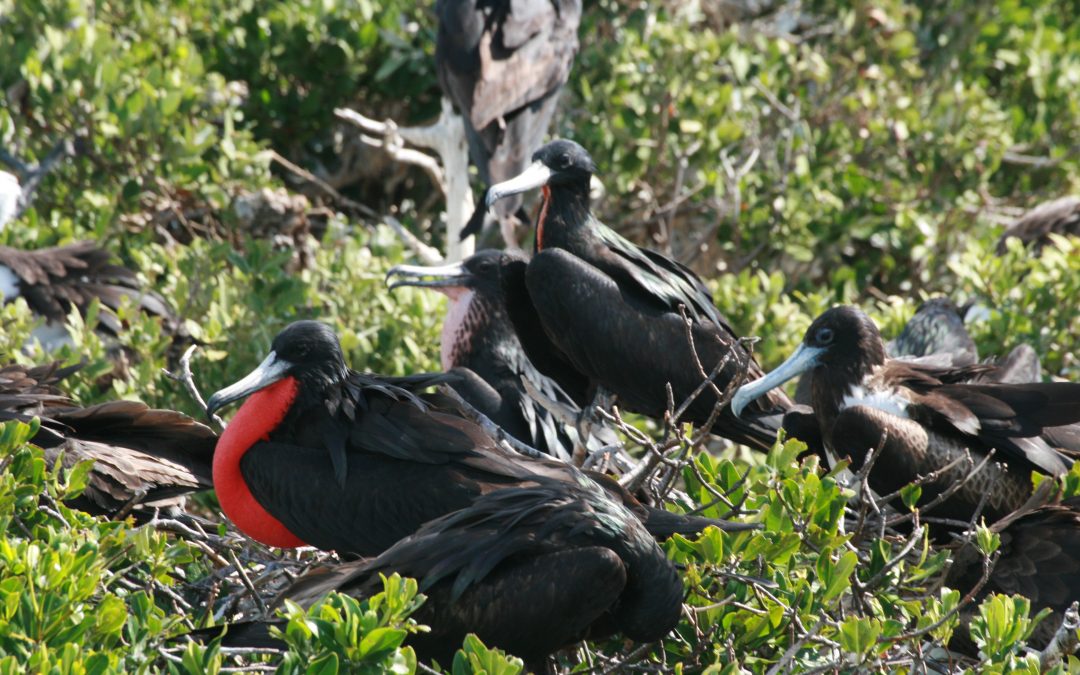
(144, 459)
(1060, 216)
(482, 342)
(924, 417)
(528, 569)
(502, 63)
(322, 455)
(612, 309)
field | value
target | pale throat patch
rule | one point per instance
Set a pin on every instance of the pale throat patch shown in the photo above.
(890, 401)
(455, 322)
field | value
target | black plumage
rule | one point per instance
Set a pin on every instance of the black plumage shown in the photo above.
(612, 309)
(502, 63)
(143, 458)
(357, 462)
(925, 416)
(528, 569)
(1039, 558)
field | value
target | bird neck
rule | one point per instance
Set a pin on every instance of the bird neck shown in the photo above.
(564, 216)
(261, 413)
(835, 380)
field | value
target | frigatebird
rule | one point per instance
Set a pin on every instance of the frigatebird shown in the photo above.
(528, 569)
(144, 459)
(924, 416)
(1039, 558)
(54, 280)
(482, 342)
(1059, 216)
(613, 308)
(937, 328)
(322, 455)
(502, 63)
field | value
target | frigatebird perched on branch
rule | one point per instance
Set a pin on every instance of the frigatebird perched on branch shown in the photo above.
(923, 417)
(1039, 558)
(613, 309)
(325, 456)
(144, 459)
(502, 63)
(528, 569)
(1059, 216)
(489, 315)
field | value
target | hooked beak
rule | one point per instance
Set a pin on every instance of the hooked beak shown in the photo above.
(803, 359)
(265, 374)
(453, 275)
(537, 175)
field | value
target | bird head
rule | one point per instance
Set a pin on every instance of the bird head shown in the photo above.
(560, 163)
(842, 338)
(308, 351)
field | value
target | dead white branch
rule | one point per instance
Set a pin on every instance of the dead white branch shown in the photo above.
(449, 172)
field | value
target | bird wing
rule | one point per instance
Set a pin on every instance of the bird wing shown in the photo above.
(58, 278)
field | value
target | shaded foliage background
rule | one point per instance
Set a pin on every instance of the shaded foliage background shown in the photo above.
(796, 154)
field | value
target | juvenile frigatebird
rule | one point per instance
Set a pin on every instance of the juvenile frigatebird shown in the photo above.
(924, 417)
(612, 308)
(502, 63)
(1059, 216)
(328, 457)
(482, 342)
(1039, 558)
(528, 569)
(144, 459)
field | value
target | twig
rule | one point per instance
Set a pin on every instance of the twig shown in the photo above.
(188, 380)
(1064, 641)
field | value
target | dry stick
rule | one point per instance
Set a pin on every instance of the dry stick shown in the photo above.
(247, 583)
(1064, 641)
(188, 380)
(492, 429)
(988, 567)
(875, 580)
(447, 138)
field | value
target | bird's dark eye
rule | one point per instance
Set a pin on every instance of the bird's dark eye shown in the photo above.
(564, 160)
(825, 336)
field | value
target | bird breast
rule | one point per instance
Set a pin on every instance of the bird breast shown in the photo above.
(892, 401)
(457, 327)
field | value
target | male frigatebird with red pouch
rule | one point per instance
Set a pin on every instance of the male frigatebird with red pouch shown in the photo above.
(613, 308)
(924, 417)
(328, 457)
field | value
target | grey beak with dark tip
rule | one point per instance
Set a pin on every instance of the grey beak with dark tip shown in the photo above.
(803, 359)
(536, 175)
(442, 276)
(265, 374)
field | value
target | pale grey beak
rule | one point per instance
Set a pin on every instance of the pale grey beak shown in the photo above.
(803, 359)
(265, 374)
(537, 175)
(442, 276)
